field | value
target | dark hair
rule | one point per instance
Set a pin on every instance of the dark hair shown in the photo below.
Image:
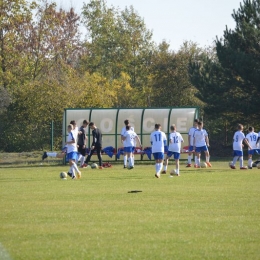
(196, 120)
(251, 128)
(200, 123)
(73, 122)
(157, 126)
(126, 122)
(91, 124)
(85, 122)
(173, 127)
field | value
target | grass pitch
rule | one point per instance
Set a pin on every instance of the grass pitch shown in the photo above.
(210, 213)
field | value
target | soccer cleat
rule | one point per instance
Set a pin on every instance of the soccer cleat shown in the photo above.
(78, 175)
(209, 164)
(125, 167)
(70, 174)
(74, 178)
(157, 176)
(243, 168)
(188, 165)
(84, 165)
(196, 166)
(44, 156)
(250, 167)
(131, 167)
(100, 167)
(163, 172)
(232, 167)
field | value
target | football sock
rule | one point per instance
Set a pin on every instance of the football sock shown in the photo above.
(160, 166)
(196, 159)
(74, 165)
(82, 159)
(51, 154)
(125, 160)
(133, 161)
(165, 167)
(130, 161)
(250, 162)
(235, 160)
(189, 159)
(241, 161)
(207, 158)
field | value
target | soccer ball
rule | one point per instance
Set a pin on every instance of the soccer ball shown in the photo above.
(63, 175)
(203, 165)
(173, 172)
(258, 166)
(94, 166)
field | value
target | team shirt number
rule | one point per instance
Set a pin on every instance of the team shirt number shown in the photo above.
(175, 140)
(157, 138)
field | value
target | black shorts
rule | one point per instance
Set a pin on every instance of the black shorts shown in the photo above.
(82, 150)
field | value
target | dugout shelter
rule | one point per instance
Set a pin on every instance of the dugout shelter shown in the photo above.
(111, 120)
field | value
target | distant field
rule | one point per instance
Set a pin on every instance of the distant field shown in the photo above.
(208, 213)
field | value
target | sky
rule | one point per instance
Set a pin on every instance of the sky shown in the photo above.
(176, 21)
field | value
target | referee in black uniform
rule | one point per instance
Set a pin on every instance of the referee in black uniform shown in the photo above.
(96, 144)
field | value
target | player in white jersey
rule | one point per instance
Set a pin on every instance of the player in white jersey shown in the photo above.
(252, 139)
(72, 153)
(174, 149)
(238, 140)
(123, 131)
(201, 143)
(190, 142)
(130, 138)
(158, 141)
(64, 149)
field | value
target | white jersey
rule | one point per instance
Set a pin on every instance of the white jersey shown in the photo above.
(123, 131)
(252, 138)
(71, 147)
(191, 133)
(238, 141)
(175, 142)
(130, 138)
(158, 140)
(200, 137)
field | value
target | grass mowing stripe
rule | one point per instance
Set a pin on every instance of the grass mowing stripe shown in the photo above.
(204, 214)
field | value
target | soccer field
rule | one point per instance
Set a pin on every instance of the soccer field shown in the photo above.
(210, 213)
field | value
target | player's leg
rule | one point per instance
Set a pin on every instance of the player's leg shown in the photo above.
(125, 157)
(198, 151)
(190, 156)
(207, 157)
(250, 161)
(98, 149)
(89, 157)
(130, 158)
(166, 161)
(177, 163)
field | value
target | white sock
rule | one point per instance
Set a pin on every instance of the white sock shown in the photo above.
(241, 161)
(130, 161)
(207, 158)
(82, 160)
(133, 161)
(250, 162)
(157, 168)
(73, 172)
(51, 154)
(71, 169)
(189, 159)
(125, 160)
(196, 159)
(160, 166)
(79, 157)
(235, 160)
(74, 165)
(165, 167)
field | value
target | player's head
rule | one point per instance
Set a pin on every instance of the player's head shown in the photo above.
(195, 123)
(85, 123)
(157, 127)
(70, 127)
(73, 123)
(128, 127)
(240, 127)
(200, 125)
(92, 125)
(126, 122)
(173, 127)
(251, 129)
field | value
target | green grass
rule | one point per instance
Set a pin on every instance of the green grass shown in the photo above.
(204, 214)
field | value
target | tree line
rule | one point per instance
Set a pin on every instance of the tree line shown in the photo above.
(48, 64)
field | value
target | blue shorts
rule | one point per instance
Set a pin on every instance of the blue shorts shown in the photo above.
(237, 153)
(72, 156)
(253, 151)
(201, 149)
(128, 149)
(190, 148)
(175, 155)
(158, 156)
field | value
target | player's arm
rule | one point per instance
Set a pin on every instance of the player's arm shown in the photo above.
(258, 140)
(164, 140)
(207, 140)
(247, 143)
(94, 134)
(123, 138)
(138, 139)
